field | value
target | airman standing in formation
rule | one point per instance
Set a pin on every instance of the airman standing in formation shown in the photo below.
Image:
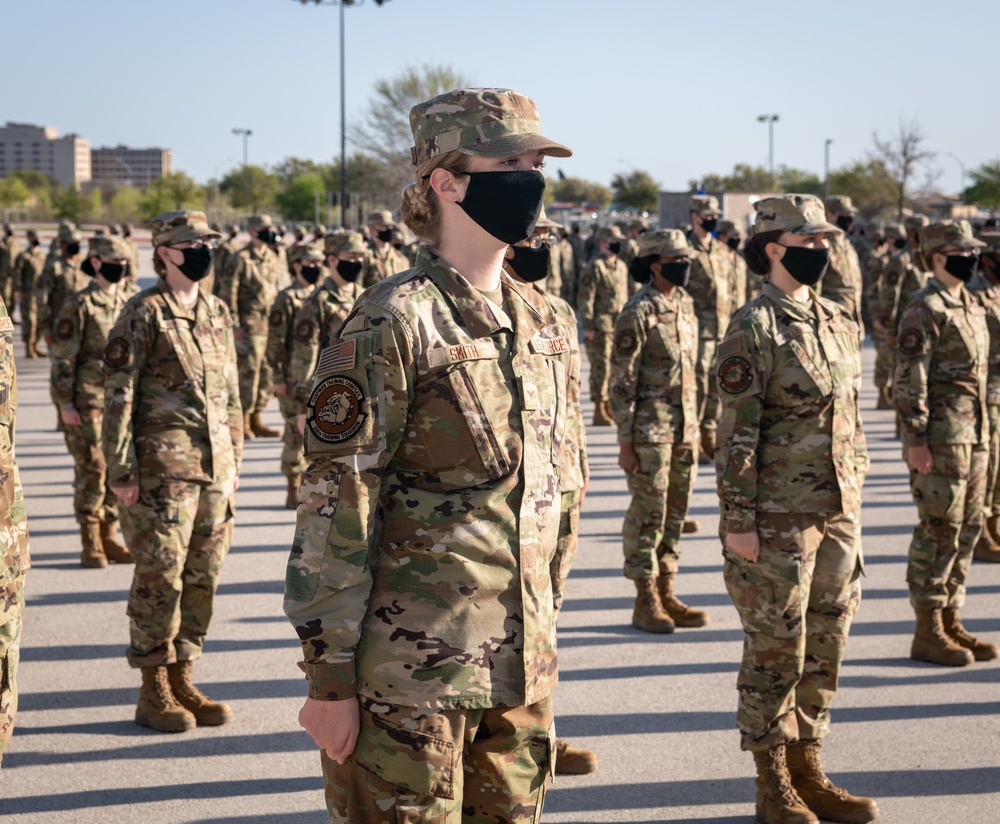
(654, 401)
(602, 294)
(60, 278)
(306, 263)
(227, 249)
(133, 254)
(873, 267)
(383, 259)
(728, 235)
(173, 440)
(249, 287)
(28, 271)
(904, 277)
(941, 396)
(77, 352)
(842, 282)
(10, 250)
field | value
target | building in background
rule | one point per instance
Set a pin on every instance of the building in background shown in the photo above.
(26, 146)
(125, 166)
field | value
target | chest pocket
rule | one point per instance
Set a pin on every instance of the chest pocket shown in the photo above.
(801, 375)
(664, 344)
(547, 399)
(6, 369)
(180, 354)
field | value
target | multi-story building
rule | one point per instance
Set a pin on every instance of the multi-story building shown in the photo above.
(125, 166)
(26, 146)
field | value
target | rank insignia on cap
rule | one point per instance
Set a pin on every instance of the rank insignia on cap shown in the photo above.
(334, 410)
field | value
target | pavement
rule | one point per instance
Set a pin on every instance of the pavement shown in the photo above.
(658, 710)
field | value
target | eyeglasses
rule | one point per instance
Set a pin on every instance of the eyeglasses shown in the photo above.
(537, 242)
(199, 243)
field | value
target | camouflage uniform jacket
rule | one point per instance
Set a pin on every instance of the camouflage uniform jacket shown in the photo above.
(872, 273)
(281, 326)
(172, 399)
(738, 279)
(13, 524)
(904, 277)
(941, 369)
(654, 389)
(223, 255)
(429, 513)
(602, 293)
(80, 336)
(709, 286)
(988, 294)
(60, 279)
(842, 283)
(28, 269)
(382, 264)
(10, 250)
(249, 287)
(790, 437)
(318, 320)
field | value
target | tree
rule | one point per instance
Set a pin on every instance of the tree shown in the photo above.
(297, 199)
(869, 184)
(263, 187)
(985, 188)
(13, 192)
(124, 204)
(902, 155)
(169, 193)
(72, 204)
(579, 191)
(636, 190)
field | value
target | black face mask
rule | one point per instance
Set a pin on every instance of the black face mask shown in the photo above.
(310, 274)
(531, 265)
(709, 223)
(962, 267)
(385, 235)
(733, 243)
(113, 272)
(197, 263)
(349, 269)
(615, 246)
(899, 243)
(88, 268)
(806, 265)
(505, 204)
(397, 246)
(72, 249)
(35, 243)
(267, 236)
(676, 272)
(845, 221)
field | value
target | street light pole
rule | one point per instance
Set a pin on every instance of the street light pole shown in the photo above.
(826, 166)
(770, 120)
(246, 168)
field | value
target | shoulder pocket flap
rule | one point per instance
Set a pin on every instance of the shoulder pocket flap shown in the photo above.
(475, 350)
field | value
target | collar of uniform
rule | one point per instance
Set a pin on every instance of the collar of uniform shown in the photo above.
(179, 309)
(100, 296)
(476, 315)
(345, 294)
(529, 309)
(793, 308)
(696, 242)
(259, 253)
(948, 297)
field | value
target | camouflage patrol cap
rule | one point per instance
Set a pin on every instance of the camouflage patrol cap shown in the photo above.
(338, 243)
(9, 228)
(916, 221)
(705, 204)
(380, 217)
(894, 230)
(215, 227)
(479, 122)
(639, 223)
(68, 233)
(726, 226)
(259, 220)
(609, 233)
(798, 214)
(32, 234)
(992, 241)
(544, 222)
(839, 205)
(319, 229)
(113, 229)
(179, 226)
(665, 242)
(948, 233)
(112, 247)
(306, 252)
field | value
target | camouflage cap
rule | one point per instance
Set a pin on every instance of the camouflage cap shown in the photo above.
(948, 233)
(894, 230)
(480, 122)
(306, 252)
(839, 205)
(68, 233)
(609, 233)
(259, 220)
(32, 234)
(8, 227)
(215, 227)
(108, 246)
(233, 228)
(380, 217)
(544, 222)
(319, 229)
(799, 214)
(665, 242)
(705, 203)
(338, 243)
(179, 226)
(992, 241)
(639, 223)
(113, 229)
(724, 226)
(916, 221)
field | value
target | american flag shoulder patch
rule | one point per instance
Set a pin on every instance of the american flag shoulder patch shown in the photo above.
(337, 357)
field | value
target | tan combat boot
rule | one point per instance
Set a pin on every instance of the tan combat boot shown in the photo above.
(777, 801)
(648, 614)
(158, 709)
(932, 644)
(988, 546)
(884, 398)
(680, 613)
(690, 527)
(292, 499)
(248, 434)
(207, 713)
(819, 793)
(31, 351)
(92, 555)
(602, 414)
(981, 650)
(573, 760)
(113, 548)
(708, 443)
(261, 429)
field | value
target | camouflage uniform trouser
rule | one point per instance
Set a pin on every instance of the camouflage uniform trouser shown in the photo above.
(884, 360)
(796, 604)
(708, 393)
(93, 501)
(293, 460)
(950, 506)
(599, 357)
(10, 654)
(661, 491)
(567, 542)
(179, 533)
(992, 497)
(29, 320)
(255, 372)
(468, 766)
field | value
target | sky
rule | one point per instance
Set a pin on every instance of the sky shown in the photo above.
(671, 88)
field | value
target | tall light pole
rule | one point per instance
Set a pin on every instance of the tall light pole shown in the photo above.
(343, 98)
(826, 166)
(770, 120)
(246, 169)
(961, 166)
